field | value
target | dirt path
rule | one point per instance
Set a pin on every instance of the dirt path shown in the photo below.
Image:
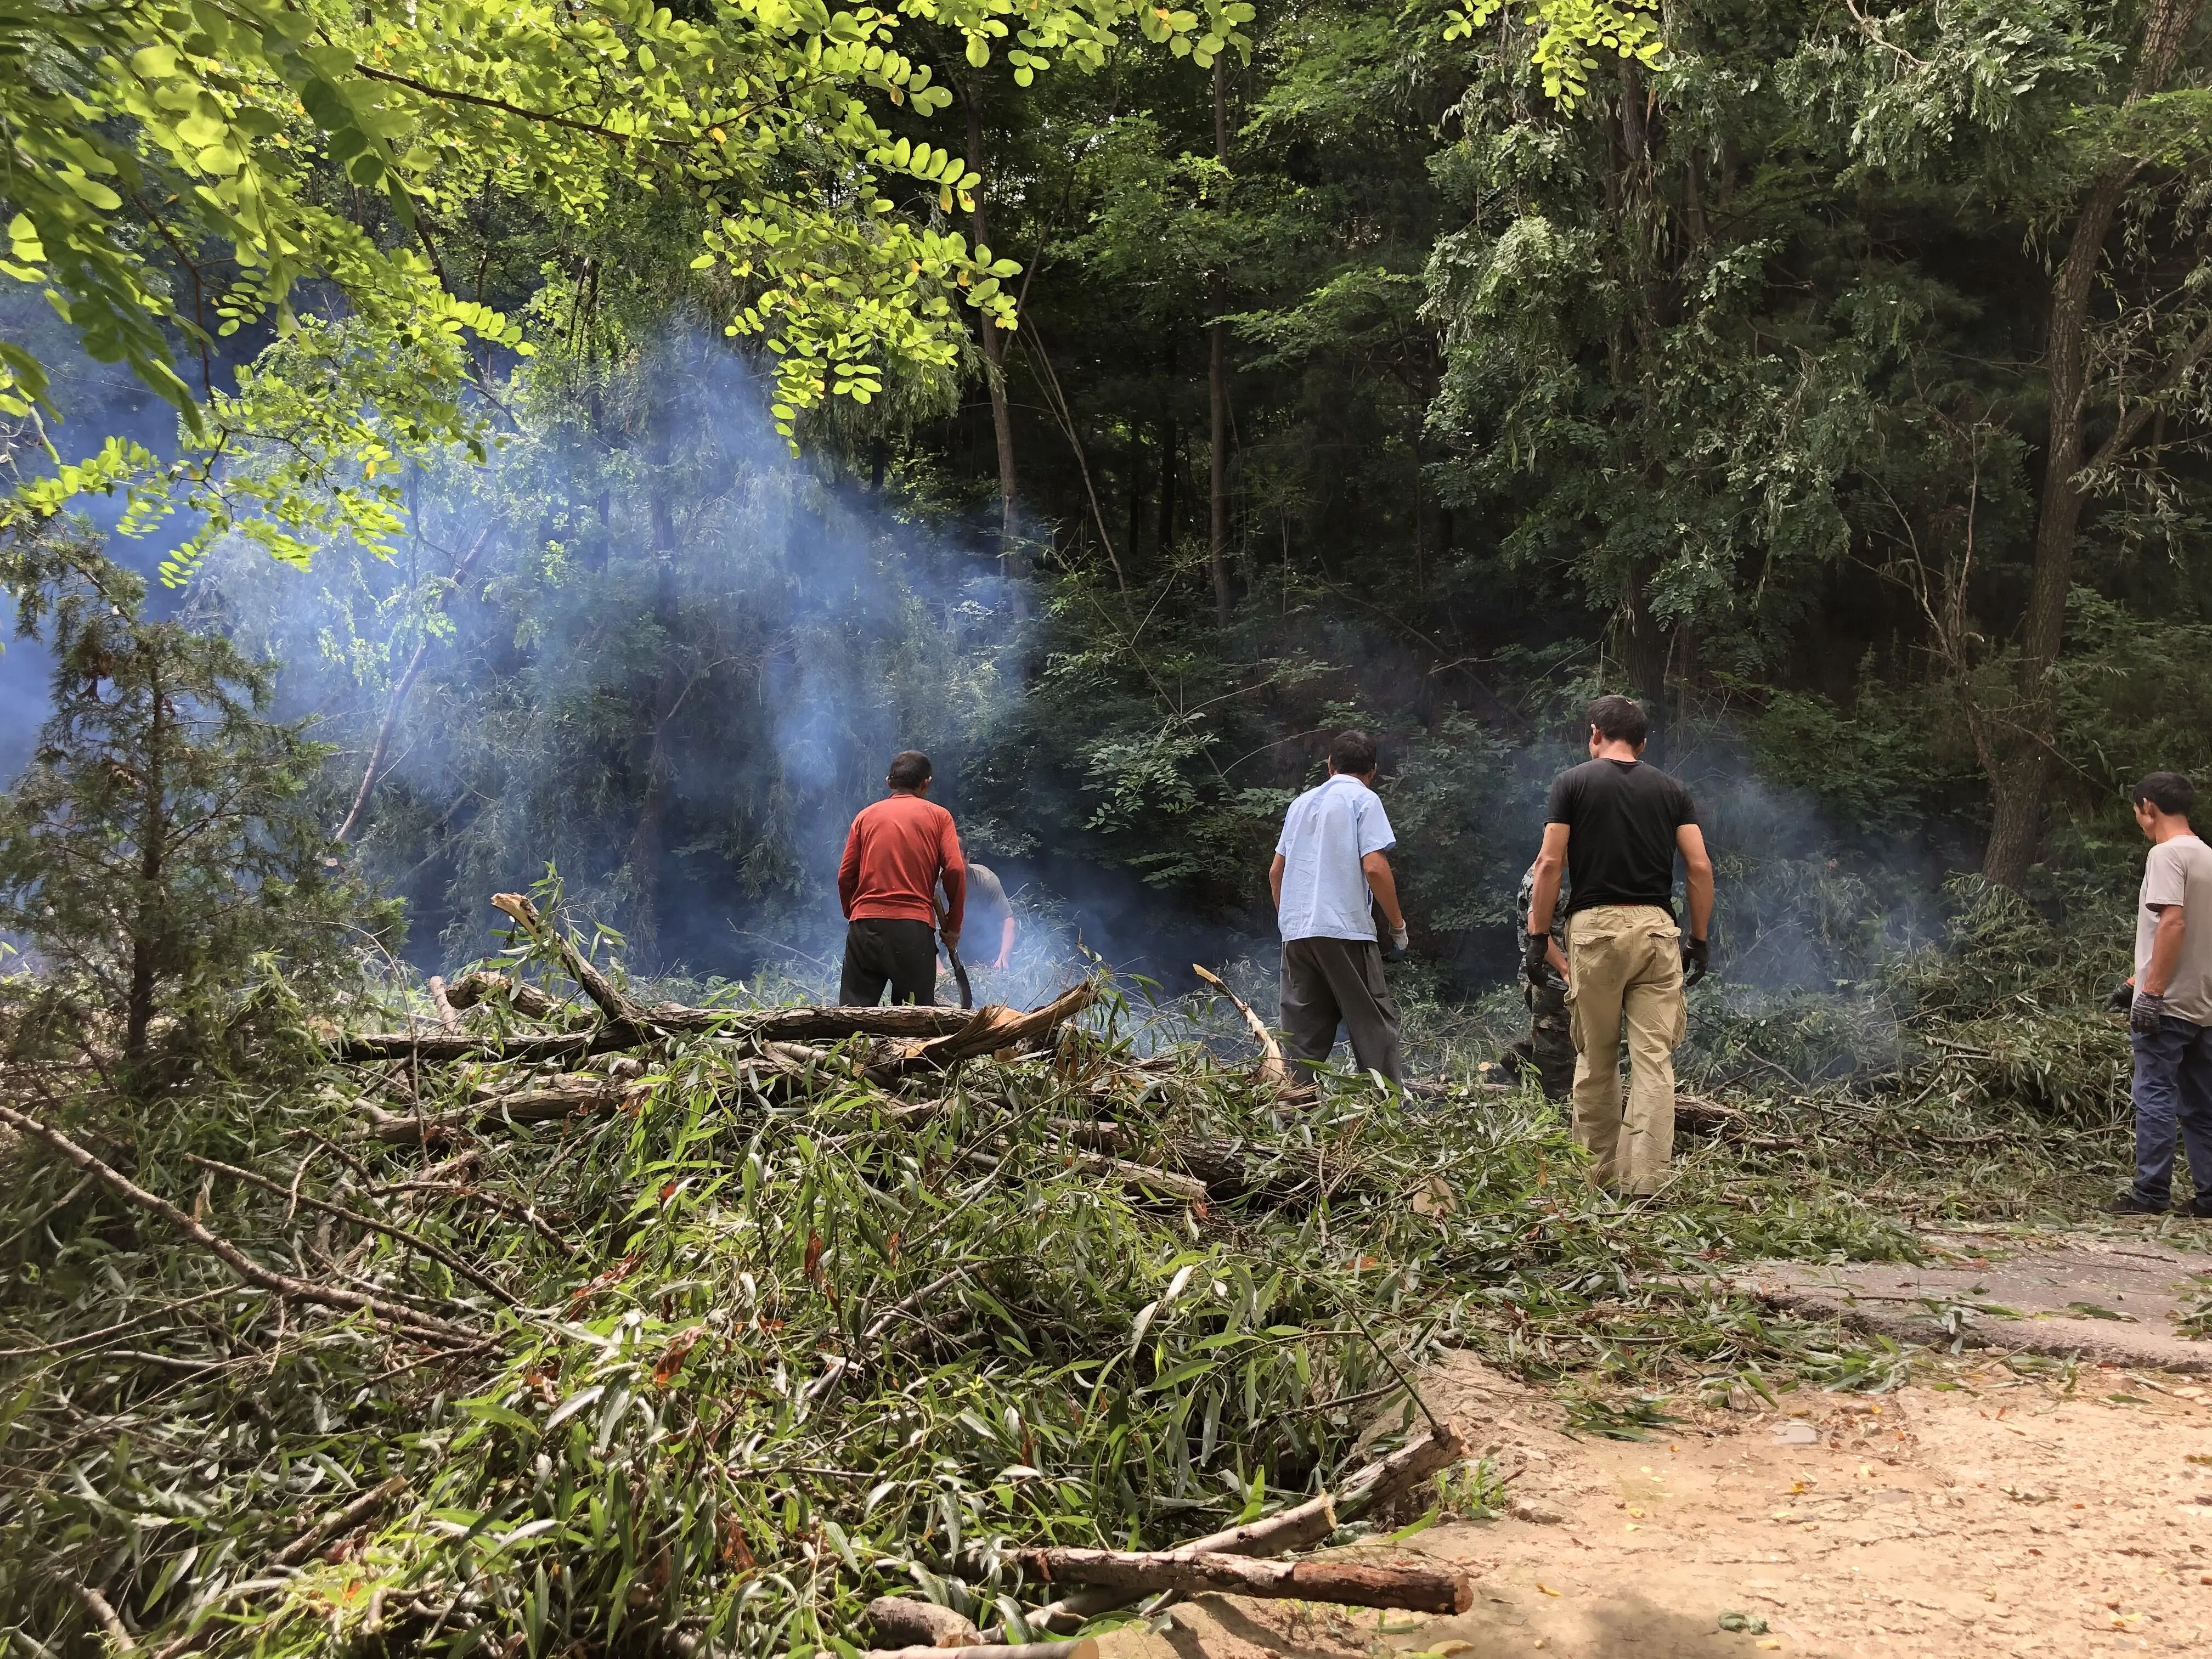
(1979, 1513)
(2112, 1298)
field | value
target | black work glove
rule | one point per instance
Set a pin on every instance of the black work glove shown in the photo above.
(2123, 997)
(2145, 1012)
(1535, 951)
(1696, 963)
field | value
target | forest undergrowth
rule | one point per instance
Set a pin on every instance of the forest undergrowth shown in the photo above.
(707, 1335)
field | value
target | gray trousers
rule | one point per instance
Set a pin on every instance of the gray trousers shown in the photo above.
(1328, 980)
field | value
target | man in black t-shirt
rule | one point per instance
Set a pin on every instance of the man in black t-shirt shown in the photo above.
(1613, 825)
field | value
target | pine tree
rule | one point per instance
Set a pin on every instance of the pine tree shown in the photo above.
(158, 855)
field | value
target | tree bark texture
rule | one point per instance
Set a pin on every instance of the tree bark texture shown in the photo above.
(2022, 741)
(1346, 1583)
(899, 1621)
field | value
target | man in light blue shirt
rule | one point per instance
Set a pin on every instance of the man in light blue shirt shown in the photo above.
(1328, 876)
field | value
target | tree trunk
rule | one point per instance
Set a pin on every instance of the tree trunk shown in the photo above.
(995, 354)
(648, 847)
(149, 922)
(1217, 388)
(2022, 769)
(1642, 647)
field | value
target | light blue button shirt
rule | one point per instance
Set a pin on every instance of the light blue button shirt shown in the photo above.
(1326, 833)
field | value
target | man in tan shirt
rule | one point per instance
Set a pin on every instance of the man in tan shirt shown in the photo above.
(2170, 1015)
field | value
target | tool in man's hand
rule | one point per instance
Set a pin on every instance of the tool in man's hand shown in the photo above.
(952, 955)
(1696, 959)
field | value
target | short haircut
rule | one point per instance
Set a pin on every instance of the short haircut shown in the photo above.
(1353, 751)
(1620, 719)
(2169, 791)
(910, 769)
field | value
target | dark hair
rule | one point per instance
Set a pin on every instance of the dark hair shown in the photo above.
(2169, 791)
(910, 769)
(1353, 751)
(1620, 719)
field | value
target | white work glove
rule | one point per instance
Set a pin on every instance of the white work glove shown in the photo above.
(1398, 937)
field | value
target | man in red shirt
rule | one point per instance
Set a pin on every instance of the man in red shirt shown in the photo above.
(899, 850)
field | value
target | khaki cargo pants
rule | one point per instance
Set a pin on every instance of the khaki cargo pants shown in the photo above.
(1625, 963)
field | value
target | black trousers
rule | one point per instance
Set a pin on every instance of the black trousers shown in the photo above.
(1328, 980)
(880, 951)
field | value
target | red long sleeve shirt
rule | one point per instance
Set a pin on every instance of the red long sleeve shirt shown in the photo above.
(899, 849)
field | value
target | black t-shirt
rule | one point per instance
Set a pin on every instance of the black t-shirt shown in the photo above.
(1623, 815)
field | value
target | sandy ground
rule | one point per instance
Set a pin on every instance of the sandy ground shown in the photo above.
(1975, 1513)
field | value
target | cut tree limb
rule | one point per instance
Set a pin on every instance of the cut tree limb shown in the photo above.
(228, 1254)
(413, 1240)
(1403, 1469)
(558, 1097)
(102, 1612)
(1086, 1648)
(339, 1522)
(898, 1621)
(1346, 1583)
(996, 1027)
(525, 999)
(449, 1017)
(1273, 1069)
(1300, 1528)
(368, 1047)
(618, 1008)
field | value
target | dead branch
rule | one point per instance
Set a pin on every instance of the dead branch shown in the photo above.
(338, 1523)
(227, 1253)
(1346, 1583)
(413, 1241)
(897, 1621)
(1273, 1070)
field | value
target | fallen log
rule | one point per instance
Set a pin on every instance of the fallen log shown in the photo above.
(367, 1047)
(1403, 1469)
(527, 999)
(558, 1097)
(898, 1621)
(779, 1025)
(1300, 1528)
(1189, 1572)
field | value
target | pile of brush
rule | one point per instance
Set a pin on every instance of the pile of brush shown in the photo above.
(561, 1321)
